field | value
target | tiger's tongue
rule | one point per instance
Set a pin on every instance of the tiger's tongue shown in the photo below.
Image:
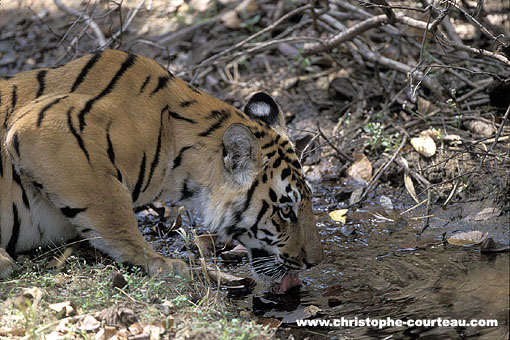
(289, 281)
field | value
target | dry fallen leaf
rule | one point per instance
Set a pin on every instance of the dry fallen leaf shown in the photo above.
(425, 145)
(425, 107)
(88, 324)
(269, 322)
(485, 214)
(300, 314)
(339, 215)
(361, 169)
(467, 238)
(230, 19)
(118, 280)
(58, 263)
(230, 280)
(480, 128)
(207, 243)
(236, 254)
(64, 309)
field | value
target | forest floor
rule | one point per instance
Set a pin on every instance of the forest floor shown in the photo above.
(412, 99)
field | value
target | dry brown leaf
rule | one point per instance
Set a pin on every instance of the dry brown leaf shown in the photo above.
(154, 331)
(269, 322)
(64, 309)
(248, 6)
(230, 19)
(229, 280)
(9, 332)
(361, 169)
(467, 238)
(207, 243)
(58, 263)
(118, 280)
(485, 214)
(236, 254)
(88, 324)
(425, 107)
(425, 145)
(178, 219)
(339, 215)
(408, 182)
(300, 314)
(481, 128)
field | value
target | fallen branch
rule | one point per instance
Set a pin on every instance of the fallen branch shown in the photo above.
(81, 14)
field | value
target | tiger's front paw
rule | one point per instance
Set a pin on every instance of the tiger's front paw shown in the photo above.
(163, 266)
(7, 264)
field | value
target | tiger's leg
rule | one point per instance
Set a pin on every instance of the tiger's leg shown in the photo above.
(88, 195)
(101, 210)
(6, 264)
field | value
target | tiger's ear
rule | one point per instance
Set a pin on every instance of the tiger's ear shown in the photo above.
(240, 154)
(263, 107)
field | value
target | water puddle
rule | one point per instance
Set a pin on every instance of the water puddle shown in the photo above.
(375, 268)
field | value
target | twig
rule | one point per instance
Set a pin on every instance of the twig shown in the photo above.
(97, 31)
(498, 133)
(374, 179)
(125, 25)
(342, 155)
(253, 36)
(346, 35)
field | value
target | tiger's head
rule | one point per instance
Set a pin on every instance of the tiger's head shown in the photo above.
(270, 212)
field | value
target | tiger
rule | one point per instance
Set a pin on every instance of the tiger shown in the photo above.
(81, 145)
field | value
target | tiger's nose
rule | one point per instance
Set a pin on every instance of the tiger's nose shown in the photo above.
(312, 262)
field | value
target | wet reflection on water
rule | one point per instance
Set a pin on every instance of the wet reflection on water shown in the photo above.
(375, 268)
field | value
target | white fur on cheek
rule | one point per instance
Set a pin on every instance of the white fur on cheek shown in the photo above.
(260, 109)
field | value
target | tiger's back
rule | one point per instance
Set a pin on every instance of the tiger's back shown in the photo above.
(83, 143)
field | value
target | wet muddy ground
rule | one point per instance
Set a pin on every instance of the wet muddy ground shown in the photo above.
(379, 265)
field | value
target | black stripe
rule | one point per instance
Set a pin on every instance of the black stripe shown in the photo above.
(11, 247)
(111, 153)
(178, 159)
(41, 75)
(273, 195)
(249, 196)
(285, 173)
(141, 175)
(155, 161)
(75, 133)
(162, 83)
(177, 116)
(24, 197)
(15, 143)
(215, 114)
(268, 144)
(85, 70)
(71, 212)
(186, 192)
(187, 103)
(277, 162)
(128, 62)
(145, 82)
(46, 108)
(214, 127)
(14, 100)
(262, 211)
(271, 154)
